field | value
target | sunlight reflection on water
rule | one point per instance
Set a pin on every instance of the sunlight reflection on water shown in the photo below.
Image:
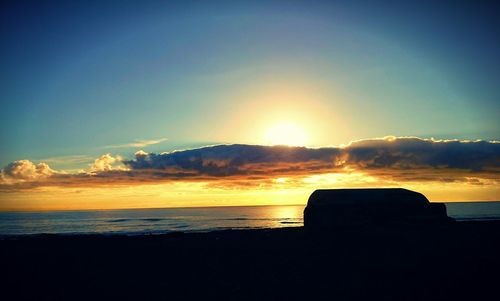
(150, 221)
(158, 221)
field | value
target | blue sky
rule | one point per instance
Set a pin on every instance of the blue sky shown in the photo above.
(84, 78)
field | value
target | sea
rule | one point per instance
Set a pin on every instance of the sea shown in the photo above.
(165, 220)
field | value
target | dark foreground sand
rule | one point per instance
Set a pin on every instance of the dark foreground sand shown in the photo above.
(459, 261)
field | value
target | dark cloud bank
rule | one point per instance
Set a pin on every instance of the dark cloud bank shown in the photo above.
(400, 159)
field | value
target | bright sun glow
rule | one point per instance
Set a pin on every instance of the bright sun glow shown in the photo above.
(285, 134)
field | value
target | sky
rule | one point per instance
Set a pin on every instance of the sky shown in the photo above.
(124, 104)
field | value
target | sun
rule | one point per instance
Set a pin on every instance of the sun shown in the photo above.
(286, 133)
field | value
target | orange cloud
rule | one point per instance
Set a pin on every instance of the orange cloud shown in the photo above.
(403, 159)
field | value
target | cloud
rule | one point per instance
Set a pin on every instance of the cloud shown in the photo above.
(75, 159)
(25, 170)
(107, 163)
(391, 153)
(411, 152)
(398, 159)
(237, 159)
(137, 143)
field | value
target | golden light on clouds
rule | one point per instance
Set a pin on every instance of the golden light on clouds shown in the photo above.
(277, 191)
(238, 174)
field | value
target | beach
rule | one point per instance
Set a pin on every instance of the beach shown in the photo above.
(450, 261)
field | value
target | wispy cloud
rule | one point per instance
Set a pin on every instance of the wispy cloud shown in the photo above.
(74, 159)
(137, 143)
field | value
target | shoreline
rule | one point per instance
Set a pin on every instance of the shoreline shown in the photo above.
(7, 237)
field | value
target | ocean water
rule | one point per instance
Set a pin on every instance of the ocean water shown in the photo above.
(159, 221)
(149, 221)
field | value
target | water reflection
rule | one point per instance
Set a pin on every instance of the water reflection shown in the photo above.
(150, 221)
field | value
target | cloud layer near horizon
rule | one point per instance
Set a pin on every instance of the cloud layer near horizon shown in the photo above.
(400, 159)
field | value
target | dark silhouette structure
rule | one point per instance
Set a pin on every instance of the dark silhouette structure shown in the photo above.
(328, 208)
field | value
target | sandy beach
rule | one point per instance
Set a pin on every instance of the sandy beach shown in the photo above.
(435, 262)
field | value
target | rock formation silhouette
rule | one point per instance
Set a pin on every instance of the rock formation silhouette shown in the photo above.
(328, 208)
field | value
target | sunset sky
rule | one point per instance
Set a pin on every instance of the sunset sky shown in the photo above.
(127, 104)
